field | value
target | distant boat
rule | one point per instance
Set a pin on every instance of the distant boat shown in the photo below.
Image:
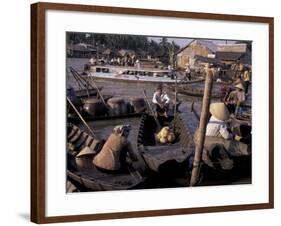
(191, 91)
(133, 74)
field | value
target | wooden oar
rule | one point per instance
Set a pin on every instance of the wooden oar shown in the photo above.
(194, 111)
(151, 110)
(100, 95)
(80, 116)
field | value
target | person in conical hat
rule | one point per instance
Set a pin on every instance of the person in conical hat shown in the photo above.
(246, 78)
(235, 98)
(240, 86)
(220, 111)
(219, 136)
(217, 126)
(112, 157)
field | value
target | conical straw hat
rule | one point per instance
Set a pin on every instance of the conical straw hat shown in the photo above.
(219, 111)
(85, 151)
(240, 86)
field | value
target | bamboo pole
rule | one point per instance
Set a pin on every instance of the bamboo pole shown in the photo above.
(151, 110)
(202, 128)
(80, 80)
(97, 88)
(176, 92)
(80, 116)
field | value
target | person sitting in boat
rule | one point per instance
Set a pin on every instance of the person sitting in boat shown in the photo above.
(235, 98)
(218, 134)
(161, 101)
(112, 157)
(217, 124)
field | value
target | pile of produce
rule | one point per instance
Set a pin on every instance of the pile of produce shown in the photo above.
(166, 135)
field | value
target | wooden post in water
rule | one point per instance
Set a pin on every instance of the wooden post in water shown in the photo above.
(176, 92)
(202, 127)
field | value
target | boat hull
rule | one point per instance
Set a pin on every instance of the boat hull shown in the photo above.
(138, 79)
(155, 155)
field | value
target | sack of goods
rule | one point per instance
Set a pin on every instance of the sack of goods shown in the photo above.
(166, 135)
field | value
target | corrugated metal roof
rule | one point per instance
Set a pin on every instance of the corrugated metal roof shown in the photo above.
(241, 47)
(231, 56)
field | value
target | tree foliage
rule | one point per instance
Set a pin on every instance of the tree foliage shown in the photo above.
(140, 44)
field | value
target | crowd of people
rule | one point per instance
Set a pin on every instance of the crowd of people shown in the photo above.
(131, 61)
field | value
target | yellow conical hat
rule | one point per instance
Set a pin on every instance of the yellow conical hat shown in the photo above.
(220, 111)
(240, 86)
(85, 151)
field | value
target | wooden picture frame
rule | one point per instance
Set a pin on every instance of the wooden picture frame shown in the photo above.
(38, 108)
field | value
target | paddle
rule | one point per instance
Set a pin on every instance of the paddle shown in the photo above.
(80, 116)
(151, 110)
(100, 95)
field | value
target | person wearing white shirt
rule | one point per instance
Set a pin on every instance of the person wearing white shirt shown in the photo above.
(161, 101)
(217, 128)
(218, 133)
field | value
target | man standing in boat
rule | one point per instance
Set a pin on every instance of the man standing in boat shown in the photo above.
(112, 157)
(246, 78)
(161, 101)
(236, 98)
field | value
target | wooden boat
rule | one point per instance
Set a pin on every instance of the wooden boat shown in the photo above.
(78, 97)
(90, 178)
(223, 83)
(72, 117)
(157, 155)
(134, 74)
(111, 108)
(84, 93)
(191, 91)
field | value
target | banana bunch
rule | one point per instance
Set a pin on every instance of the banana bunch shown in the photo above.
(166, 135)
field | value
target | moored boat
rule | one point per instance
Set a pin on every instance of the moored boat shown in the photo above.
(111, 108)
(191, 91)
(157, 155)
(84, 175)
(84, 93)
(134, 74)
